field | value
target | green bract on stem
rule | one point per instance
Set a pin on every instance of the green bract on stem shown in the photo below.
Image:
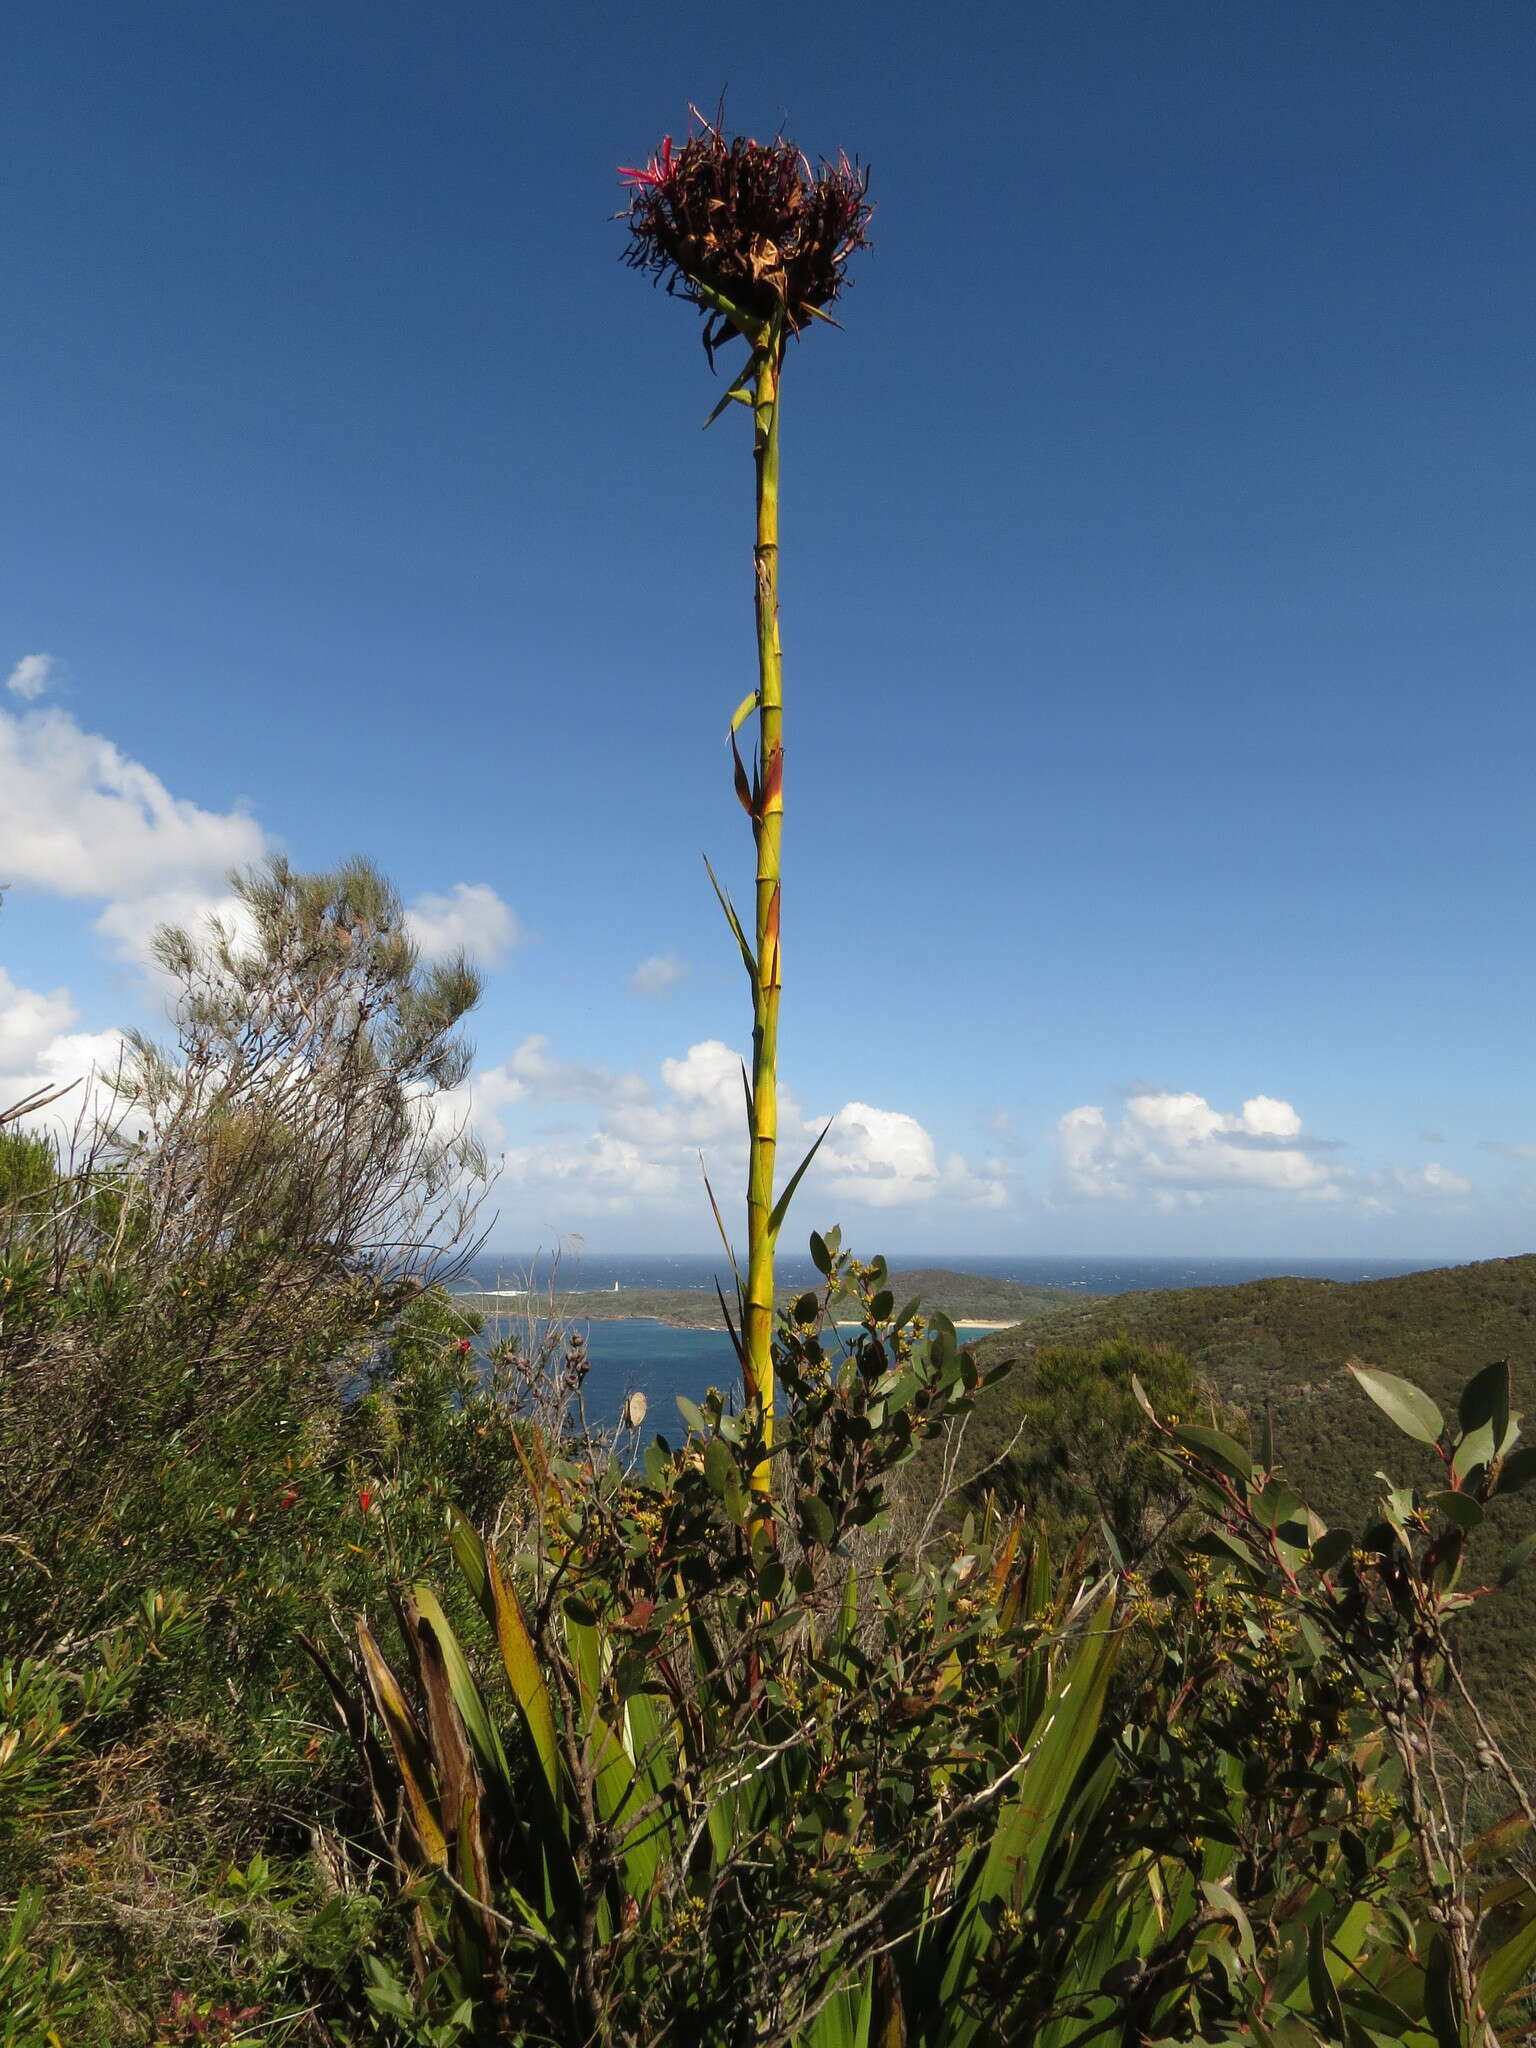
(757, 238)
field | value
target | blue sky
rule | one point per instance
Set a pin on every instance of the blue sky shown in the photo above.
(1158, 606)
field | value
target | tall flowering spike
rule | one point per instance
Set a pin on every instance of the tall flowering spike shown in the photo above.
(751, 226)
(758, 239)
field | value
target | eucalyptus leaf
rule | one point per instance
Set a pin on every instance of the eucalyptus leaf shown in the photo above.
(1216, 1449)
(816, 1519)
(1518, 1469)
(1475, 1449)
(1404, 1404)
(1485, 1399)
(1461, 1508)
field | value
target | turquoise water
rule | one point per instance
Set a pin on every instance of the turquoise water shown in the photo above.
(663, 1363)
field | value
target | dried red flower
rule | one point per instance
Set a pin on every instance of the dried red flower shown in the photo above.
(656, 172)
(747, 227)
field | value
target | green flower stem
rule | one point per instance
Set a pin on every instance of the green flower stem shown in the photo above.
(767, 827)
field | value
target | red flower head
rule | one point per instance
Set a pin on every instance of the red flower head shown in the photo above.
(464, 1346)
(287, 1498)
(751, 231)
(365, 1499)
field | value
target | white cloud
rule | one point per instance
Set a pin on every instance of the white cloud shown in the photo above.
(880, 1156)
(31, 676)
(887, 1159)
(531, 1075)
(1179, 1150)
(648, 1143)
(38, 1051)
(702, 1109)
(1265, 1117)
(542, 1079)
(129, 925)
(29, 1021)
(471, 919)
(657, 976)
(1431, 1180)
(81, 819)
(600, 1172)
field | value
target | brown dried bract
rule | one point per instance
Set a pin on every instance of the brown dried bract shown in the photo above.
(752, 222)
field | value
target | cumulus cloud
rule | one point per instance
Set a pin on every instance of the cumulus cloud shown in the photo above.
(879, 1156)
(129, 926)
(39, 1052)
(29, 1021)
(886, 1159)
(1178, 1149)
(649, 1141)
(31, 676)
(657, 976)
(600, 1172)
(471, 919)
(700, 1110)
(80, 818)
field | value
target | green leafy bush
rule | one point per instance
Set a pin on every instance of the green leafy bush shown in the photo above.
(766, 1776)
(1082, 1457)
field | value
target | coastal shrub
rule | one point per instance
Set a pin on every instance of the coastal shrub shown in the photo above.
(700, 1776)
(1083, 1457)
(192, 1288)
(179, 1294)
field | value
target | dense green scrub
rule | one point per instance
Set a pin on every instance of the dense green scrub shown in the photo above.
(1273, 1354)
(216, 1370)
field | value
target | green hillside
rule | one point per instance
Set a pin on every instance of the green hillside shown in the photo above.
(1282, 1345)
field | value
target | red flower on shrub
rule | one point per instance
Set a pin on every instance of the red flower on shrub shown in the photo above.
(365, 1499)
(287, 1498)
(464, 1346)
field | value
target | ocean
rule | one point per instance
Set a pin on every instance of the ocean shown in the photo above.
(583, 1269)
(661, 1362)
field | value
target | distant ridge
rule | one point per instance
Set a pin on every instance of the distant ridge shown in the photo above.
(1265, 1339)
